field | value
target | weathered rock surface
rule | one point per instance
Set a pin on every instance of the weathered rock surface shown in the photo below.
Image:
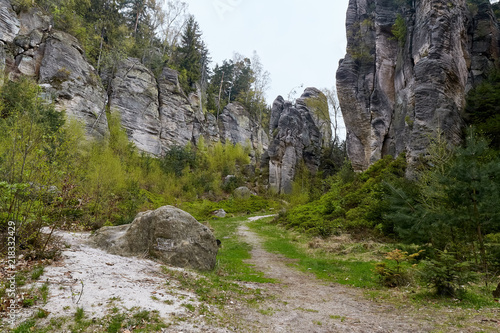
(167, 233)
(155, 112)
(315, 102)
(242, 193)
(295, 138)
(134, 94)
(9, 23)
(72, 81)
(397, 94)
(56, 60)
(219, 213)
(237, 126)
(179, 121)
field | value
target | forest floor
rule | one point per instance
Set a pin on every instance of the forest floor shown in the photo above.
(90, 290)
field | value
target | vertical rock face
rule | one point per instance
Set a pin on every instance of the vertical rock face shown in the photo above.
(70, 79)
(155, 112)
(178, 118)
(30, 48)
(9, 23)
(237, 126)
(134, 94)
(315, 102)
(295, 137)
(396, 92)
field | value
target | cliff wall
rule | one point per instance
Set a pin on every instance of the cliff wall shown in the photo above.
(408, 68)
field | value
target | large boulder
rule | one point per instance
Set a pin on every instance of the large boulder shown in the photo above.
(167, 233)
(242, 193)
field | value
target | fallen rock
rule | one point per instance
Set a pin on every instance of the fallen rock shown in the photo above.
(242, 192)
(219, 213)
(167, 233)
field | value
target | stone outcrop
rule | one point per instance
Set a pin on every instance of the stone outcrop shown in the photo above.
(315, 102)
(9, 23)
(167, 234)
(31, 48)
(154, 111)
(67, 77)
(295, 137)
(237, 126)
(180, 122)
(396, 92)
(134, 95)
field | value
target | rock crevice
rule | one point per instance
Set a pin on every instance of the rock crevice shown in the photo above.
(407, 71)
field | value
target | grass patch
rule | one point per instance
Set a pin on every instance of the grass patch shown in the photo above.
(337, 317)
(233, 253)
(25, 327)
(202, 209)
(44, 292)
(355, 267)
(141, 321)
(37, 272)
(79, 314)
(325, 266)
(474, 298)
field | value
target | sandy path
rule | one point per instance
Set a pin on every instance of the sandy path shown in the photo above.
(303, 303)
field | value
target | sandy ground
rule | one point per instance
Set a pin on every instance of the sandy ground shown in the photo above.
(97, 281)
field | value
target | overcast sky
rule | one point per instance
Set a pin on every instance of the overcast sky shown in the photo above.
(298, 41)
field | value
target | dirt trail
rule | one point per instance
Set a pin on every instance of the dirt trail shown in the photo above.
(303, 303)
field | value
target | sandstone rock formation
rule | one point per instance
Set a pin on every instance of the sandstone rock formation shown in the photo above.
(315, 102)
(29, 47)
(154, 111)
(237, 126)
(396, 92)
(180, 122)
(167, 233)
(134, 95)
(70, 80)
(9, 23)
(295, 137)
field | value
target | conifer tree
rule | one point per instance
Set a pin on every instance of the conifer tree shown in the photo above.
(453, 204)
(192, 54)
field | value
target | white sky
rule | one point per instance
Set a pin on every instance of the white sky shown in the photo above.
(298, 41)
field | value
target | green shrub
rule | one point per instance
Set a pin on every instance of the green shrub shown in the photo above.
(399, 30)
(395, 272)
(354, 201)
(446, 273)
